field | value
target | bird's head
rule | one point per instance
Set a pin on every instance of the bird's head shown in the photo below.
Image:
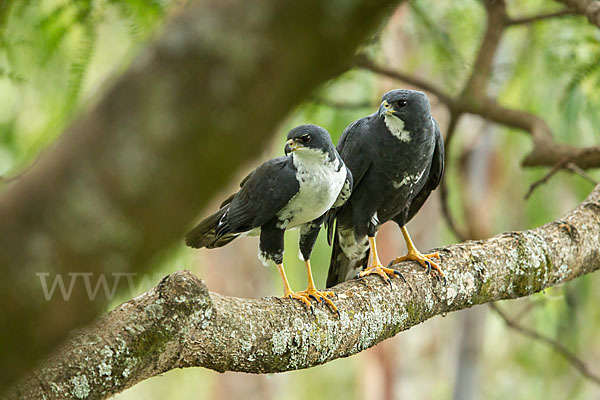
(410, 106)
(309, 138)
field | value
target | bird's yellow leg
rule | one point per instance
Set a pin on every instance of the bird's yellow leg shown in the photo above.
(311, 291)
(415, 255)
(376, 266)
(287, 291)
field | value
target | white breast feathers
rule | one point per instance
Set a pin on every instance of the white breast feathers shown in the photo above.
(320, 180)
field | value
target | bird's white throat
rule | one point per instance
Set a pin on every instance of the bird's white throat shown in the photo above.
(309, 156)
(320, 181)
(396, 127)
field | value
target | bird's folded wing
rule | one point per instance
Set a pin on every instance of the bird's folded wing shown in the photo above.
(263, 194)
(435, 176)
(437, 161)
(353, 146)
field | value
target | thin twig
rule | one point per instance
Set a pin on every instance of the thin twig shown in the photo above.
(576, 170)
(530, 306)
(364, 62)
(588, 8)
(545, 178)
(576, 362)
(562, 165)
(539, 17)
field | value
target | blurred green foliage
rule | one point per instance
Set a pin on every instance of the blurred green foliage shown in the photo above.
(56, 56)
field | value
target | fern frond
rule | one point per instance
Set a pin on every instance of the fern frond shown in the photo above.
(79, 67)
(581, 73)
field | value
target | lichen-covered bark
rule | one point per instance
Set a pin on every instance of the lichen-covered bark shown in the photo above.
(181, 324)
(132, 173)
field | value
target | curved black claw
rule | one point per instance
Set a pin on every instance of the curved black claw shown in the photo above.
(390, 282)
(338, 313)
(428, 267)
(314, 298)
(399, 275)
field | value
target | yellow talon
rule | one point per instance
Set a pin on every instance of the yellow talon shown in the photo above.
(309, 293)
(415, 255)
(300, 296)
(316, 295)
(378, 268)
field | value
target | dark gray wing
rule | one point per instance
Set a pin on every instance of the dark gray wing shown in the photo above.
(352, 145)
(435, 175)
(437, 162)
(263, 194)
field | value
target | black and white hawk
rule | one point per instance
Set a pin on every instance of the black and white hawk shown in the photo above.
(396, 157)
(291, 191)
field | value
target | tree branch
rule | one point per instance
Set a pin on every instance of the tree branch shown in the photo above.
(181, 324)
(578, 171)
(473, 98)
(546, 151)
(588, 8)
(364, 62)
(476, 85)
(575, 361)
(563, 164)
(446, 212)
(538, 18)
(129, 176)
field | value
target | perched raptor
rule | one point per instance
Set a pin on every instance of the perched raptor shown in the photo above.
(295, 190)
(396, 157)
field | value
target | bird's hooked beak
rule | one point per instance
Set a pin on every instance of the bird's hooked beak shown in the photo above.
(291, 145)
(385, 109)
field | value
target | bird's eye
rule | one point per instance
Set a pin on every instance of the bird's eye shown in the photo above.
(402, 103)
(305, 138)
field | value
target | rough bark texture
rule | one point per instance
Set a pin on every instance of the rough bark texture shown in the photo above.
(130, 175)
(181, 324)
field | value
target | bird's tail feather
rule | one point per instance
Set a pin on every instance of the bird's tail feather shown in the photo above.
(341, 268)
(211, 232)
